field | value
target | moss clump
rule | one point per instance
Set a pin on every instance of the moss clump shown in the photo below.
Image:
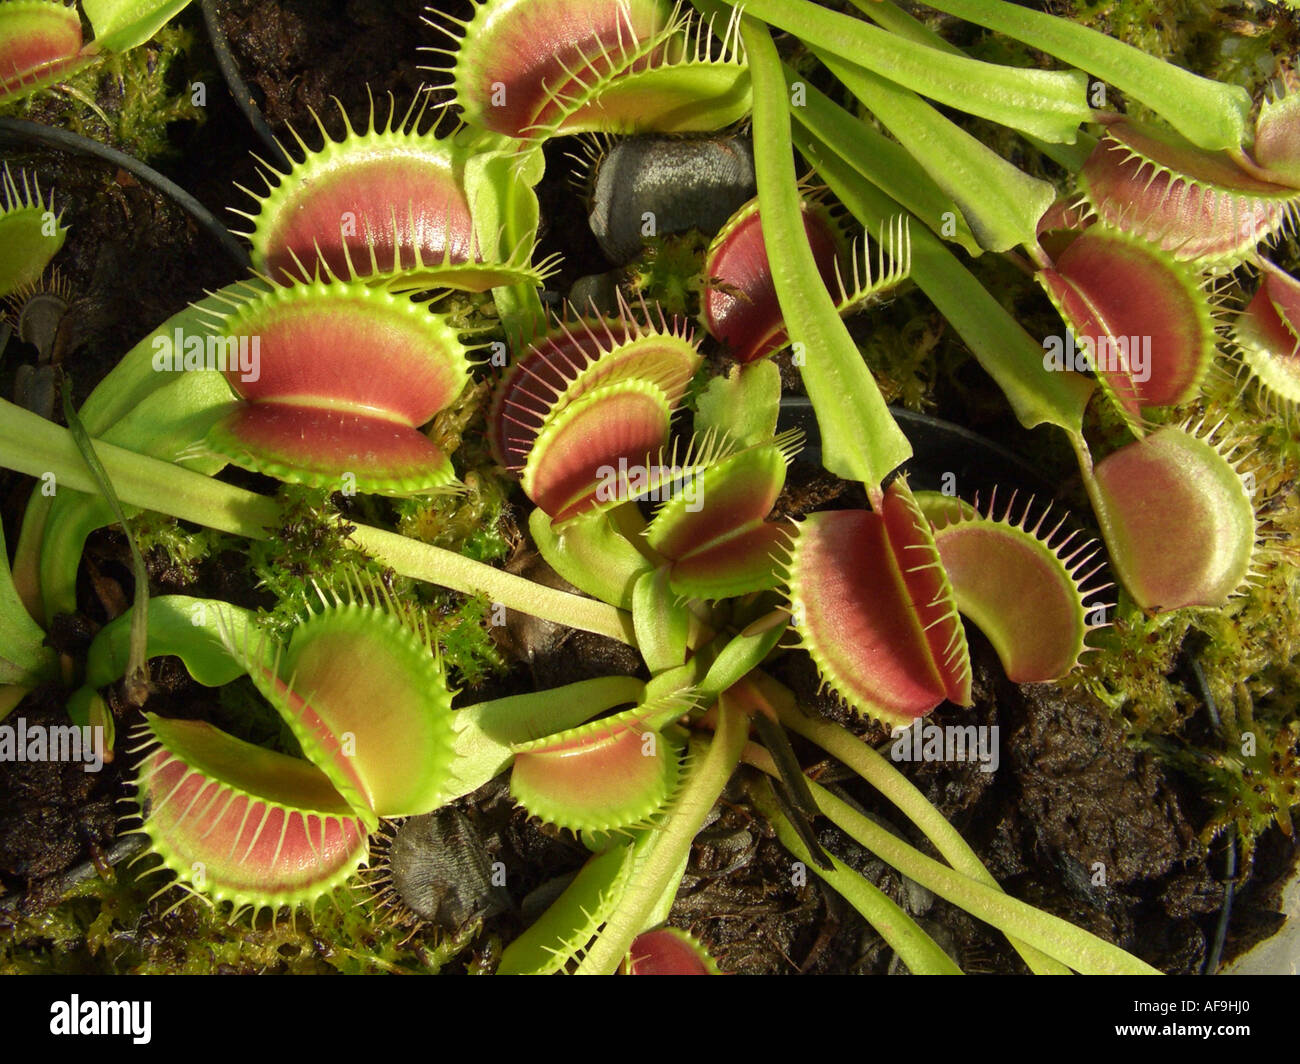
(669, 272)
(172, 552)
(472, 523)
(467, 646)
(112, 926)
(904, 352)
(310, 550)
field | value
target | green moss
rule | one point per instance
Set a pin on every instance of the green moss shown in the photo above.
(112, 926)
(904, 352)
(467, 646)
(669, 272)
(470, 523)
(474, 521)
(309, 548)
(173, 552)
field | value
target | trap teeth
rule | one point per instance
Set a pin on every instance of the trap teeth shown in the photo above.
(1177, 519)
(343, 378)
(876, 611)
(1196, 205)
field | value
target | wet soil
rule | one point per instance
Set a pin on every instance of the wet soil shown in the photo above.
(1071, 795)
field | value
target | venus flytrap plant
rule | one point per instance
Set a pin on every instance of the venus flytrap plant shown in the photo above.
(584, 417)
(721, 545)
(42, 42)
(1195, 204)
(669, 951)
(572, 778)
(860, 440)
(1267, 335)
(379, 743)
(739, 303)
(1174, 471)
(1105, 282)
(1025, 586)
(570, 379)
(1036, 644)
(605, 776)
(535, 70)
(1053, 397)
(319, 406)
(1114, 290)
(876, 611)
(30, 232)
(347, 208)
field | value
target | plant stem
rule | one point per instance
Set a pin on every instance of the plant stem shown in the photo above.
(916, 949)
(860, 440)
(1006, 351)
(709, 774)
(137, 668)
(1210, 114)
(1081, 950)
(1047, 103)
(30, 444)
(1001, 203)
(891, 783)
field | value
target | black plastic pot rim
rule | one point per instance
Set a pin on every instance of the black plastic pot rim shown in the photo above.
(20, 131)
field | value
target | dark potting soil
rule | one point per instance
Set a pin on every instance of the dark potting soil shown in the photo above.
(1071, 793)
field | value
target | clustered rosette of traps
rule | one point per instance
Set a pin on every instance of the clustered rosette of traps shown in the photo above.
(352, 245)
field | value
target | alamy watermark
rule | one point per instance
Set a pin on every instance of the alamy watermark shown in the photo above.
(653, 483)
(61, 742)
(77, 1017)
(240, 355)
(1102, 354)
(927, 741)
